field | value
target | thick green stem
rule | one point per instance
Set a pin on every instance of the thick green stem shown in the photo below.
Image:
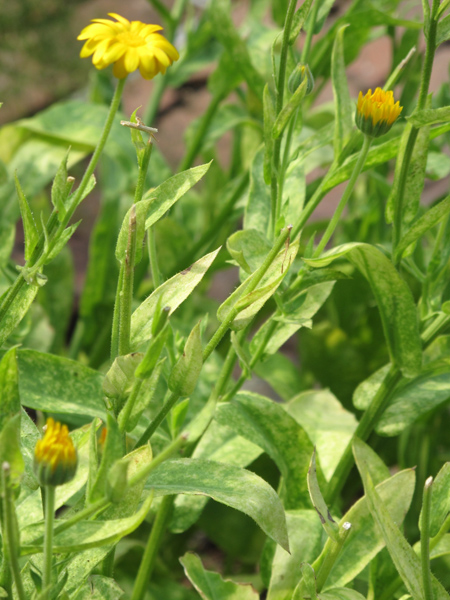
(345, 196)
(151, 550)
(48, 540)
(425, 540)
(126, 292)
(423, 93)
(9, 525)
(330, 553)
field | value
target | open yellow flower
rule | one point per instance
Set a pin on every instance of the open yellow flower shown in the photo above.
(377, 112)
(55, 457)
(127, 45)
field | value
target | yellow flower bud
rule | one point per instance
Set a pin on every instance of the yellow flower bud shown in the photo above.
(298, 76)
(377, 112)
(55, 457)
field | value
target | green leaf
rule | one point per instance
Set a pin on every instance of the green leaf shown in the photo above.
(429, 116)
(173, 293)
(10, 448)
(365, 540)
(328, 523)
(329, 426)
(18, 310)
(415, 399)
(154, 205)
(30, 231)
(84, 534)
(344, 106)
(99, 587)
(219, 444)
(59, 385)
(227, 484)
(257, 210)
(367, 389)
(265, 423)
(308, 302)
(440, 499)
(119, 379)
(250, 304)
(341, 594)
(406, 561)
(9, 387)
(227, 34)
(443, 30)
(298, 21)
(305, 536)
(61, 189)
(394, 299)
(288, 110)
(249, 248)
(416, 175)
(376, 467)
(184, 375)
(281, 374)
(430, 219)
(210, 585)
(81, 564)
(62, 240)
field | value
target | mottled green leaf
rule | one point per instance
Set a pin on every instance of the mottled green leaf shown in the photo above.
(248, 247)
(288, 109)
(56, 384)
(257, 210)
(341, 594)
(395, 302)
(99, 587)
(30, 231)
(298, 21)
(185, 373)
(17, 310)
(406, 561)
(9, 387)
(210, 585)
(269, 120)
(266, 424)
(328, 523)
(230, 485)
(429, 116)
(155, 204)
(173, 292)
(327, 423)
(10, 448)
(443, 30)
(440, 499)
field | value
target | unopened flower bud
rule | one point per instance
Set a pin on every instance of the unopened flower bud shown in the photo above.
(377, 112)
(298, 76)
(55, 456)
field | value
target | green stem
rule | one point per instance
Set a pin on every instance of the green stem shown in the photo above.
(368, 421)
(126, 292)
(275, 188)
(10, 528)
(96, 507)
(425, 540)
(116, 316)
(423, 93)
(345, 196)
(151, 550)
(156, 278)
(331, 551)
(200, 133)
(310, 32)
(54, 227)
(48, 540)
(312, 204)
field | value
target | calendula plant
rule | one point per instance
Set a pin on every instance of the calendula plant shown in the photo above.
(157, 448)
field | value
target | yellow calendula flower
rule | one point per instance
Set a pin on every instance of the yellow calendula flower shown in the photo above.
(377, 112)
(128, 45)
(55, 457)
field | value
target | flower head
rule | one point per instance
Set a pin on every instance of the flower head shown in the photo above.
(127, 45)
(298, 76)
(55, 457)
(377, 112)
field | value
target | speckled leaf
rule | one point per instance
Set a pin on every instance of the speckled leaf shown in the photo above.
(430, 116)
(185, 373)
(174, 291)
(30, 231)
(10, 449)
(406, 561)
(248, 247)
(99, 587)
(17, 310)
(365, 539)
(155, 204)
(230, 485)
(415, 399)
(210, 585)
(269, 120)
(84, 534)
(367, 389)
(328, 523)
(56, 384)
(219, 444)
(327, 423)
(265, 423)
(395, 302)
(344, 107)
(341, 594)
(257, 210)
(288, 109)
(9, 387)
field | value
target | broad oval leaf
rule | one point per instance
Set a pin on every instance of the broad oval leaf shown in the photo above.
(227, 484)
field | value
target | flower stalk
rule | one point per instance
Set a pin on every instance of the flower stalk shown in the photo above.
(425, 540)
(49, 493)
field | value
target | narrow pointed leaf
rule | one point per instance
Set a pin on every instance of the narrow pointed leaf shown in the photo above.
(29, 225)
